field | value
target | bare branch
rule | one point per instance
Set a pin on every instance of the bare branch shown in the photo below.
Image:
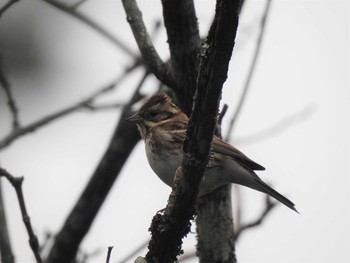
(219, 120)
(251, 69)
(10, 100)
(71, 10)
(109, 252)
(86, 103)
(269, 205)
(7, 6)
(146, 47)
(6, 254)
(278, 127)
(180, 20)
(169, 229)
(17, 184)
(105, 106)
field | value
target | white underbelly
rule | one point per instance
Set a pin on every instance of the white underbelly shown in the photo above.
(164, 166)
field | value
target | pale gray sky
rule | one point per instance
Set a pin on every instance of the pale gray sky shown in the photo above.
(304, 64)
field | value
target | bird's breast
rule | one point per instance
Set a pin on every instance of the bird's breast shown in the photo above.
(163, 161)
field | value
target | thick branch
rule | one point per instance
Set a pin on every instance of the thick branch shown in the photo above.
(184, 43)
(144, 42)
(17, 184)
(85, 210)
(169, 229)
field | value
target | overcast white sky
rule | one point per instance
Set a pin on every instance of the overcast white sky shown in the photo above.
(52, 60)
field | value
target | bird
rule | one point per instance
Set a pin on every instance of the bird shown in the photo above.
(163, 127)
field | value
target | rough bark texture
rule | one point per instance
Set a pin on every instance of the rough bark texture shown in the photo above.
(169, 229)
(215, 227)
(184, 44)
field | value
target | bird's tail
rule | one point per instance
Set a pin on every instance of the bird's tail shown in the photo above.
(263, 187)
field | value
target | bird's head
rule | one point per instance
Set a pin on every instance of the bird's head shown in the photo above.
(156, 110)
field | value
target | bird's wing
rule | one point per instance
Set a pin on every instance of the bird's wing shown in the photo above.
(220, 146)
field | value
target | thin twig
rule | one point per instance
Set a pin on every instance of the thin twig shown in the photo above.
(21, 131)
(109, 253)
(251, 69)
(278, 127)
(146, 47)
(10, 100)
(7, 6)
(269, 205)
(105, 106)
(86, 20)
(221, 115)
(17, 184)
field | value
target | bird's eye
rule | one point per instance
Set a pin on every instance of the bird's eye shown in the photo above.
(152, 113)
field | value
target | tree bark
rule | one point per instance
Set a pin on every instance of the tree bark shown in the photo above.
(215, 227)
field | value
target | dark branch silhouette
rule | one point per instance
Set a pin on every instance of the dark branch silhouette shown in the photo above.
(144, 42)
(109, 253)
(10, 100)
(269, 205)
(17, 184)
(169, 229)
(181, 24)
(86, 103)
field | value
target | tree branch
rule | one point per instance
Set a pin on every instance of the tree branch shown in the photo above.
(10, 100)
(251, 69)
(86, 103)
(109, 253)
(7, 6)
(278, 127)
(72, 10)
(144, 42)
(180, 20)
(17, 184)
(78, 222)
(269, 205)
(169, 229)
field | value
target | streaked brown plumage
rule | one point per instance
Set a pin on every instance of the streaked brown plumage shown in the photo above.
(163, 127)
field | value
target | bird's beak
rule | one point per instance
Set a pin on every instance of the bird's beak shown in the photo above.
(134, 118)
